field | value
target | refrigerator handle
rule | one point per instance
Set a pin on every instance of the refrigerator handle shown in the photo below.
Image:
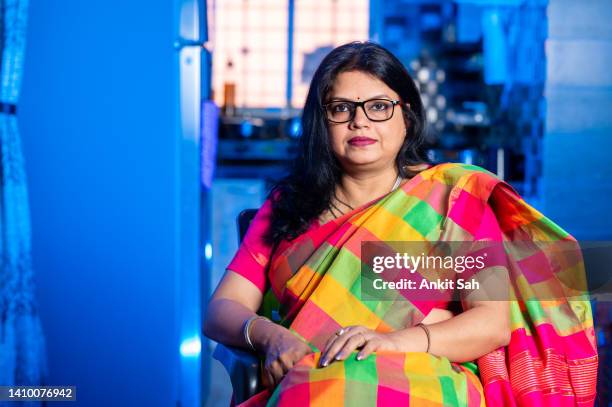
(181, 43)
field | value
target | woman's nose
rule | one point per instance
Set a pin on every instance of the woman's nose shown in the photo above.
(360, 119)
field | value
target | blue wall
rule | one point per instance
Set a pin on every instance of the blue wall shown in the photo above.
(578, 144)
(98, 123)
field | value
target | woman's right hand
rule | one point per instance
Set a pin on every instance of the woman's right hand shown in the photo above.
(282, 349)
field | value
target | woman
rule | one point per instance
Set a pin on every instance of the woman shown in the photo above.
(359, 177)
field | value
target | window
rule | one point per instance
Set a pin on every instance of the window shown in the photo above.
(250, 40)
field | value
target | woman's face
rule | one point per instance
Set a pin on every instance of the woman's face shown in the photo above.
(362, 144)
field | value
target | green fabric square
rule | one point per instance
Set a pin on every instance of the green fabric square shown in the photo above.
(423, 218)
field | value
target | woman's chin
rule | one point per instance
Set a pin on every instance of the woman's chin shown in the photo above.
(362, 156)
(364, 163)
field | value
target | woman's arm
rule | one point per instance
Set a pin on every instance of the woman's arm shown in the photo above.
(235, 300)
(240, 293)
(482, 328)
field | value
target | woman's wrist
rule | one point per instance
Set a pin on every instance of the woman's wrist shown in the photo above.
(261, 332)
(413, 339)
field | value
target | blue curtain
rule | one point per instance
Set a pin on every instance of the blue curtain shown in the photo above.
(22, 349)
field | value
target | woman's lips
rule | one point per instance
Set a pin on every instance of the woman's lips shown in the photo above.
(361, 141)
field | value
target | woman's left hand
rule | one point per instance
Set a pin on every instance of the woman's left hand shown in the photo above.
(344, 341)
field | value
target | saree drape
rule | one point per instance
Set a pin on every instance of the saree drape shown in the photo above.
(314, 289)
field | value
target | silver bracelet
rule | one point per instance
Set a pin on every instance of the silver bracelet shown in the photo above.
(426, 329)
(247, 326)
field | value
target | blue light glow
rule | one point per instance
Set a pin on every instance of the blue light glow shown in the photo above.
(246, 129)
(208, 251)
(296, 128)
(191, 347)
(466, 156)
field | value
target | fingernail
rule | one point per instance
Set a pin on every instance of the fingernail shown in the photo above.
(325, 363)
(338, 357)
(359, 357)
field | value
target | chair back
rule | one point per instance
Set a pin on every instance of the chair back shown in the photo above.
(244, 221)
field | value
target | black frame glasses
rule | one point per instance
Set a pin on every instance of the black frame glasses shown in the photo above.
(355, 105)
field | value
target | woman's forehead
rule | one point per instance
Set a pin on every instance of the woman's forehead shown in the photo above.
(355, 85)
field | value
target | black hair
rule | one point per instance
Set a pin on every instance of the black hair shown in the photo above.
(307, 191)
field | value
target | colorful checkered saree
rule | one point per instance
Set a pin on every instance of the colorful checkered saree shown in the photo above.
(551, 358)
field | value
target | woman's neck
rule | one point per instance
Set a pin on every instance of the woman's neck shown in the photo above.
(356, 189)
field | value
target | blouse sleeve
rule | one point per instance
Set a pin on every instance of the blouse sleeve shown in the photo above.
(252, 258)
(489, 227)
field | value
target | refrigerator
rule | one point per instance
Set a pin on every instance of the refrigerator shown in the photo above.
(195, 150)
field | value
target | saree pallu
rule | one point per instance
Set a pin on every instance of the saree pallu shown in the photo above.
(314, 290)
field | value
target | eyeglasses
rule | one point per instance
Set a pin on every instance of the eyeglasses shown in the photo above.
(376, 110)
